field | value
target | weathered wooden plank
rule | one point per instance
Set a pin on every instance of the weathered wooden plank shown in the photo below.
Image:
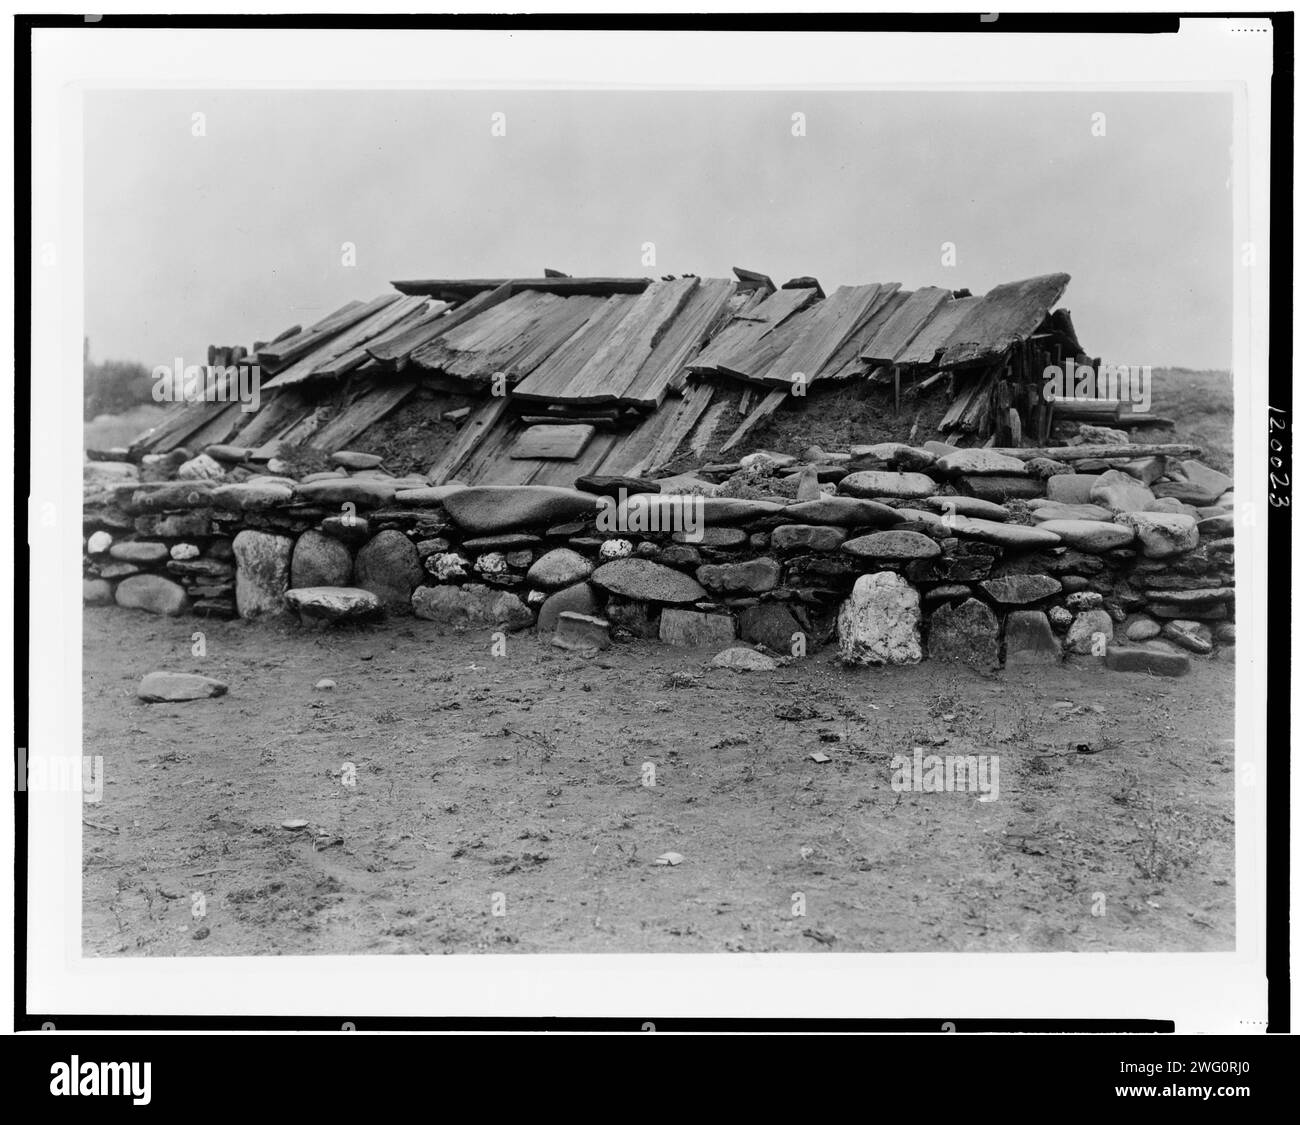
(549, 379)
(747, 329)
(847, 363)
(478, 424)
(822, 332)
(771, 401)
(396, 348)
(276, 357)
(611, 369)
(186, 418)
(552, 443)
(396, 318)
(564, 286)
(1005, 315)
(361, 413)
(317, 362)
(277, 410)
(683, 339)
(887, 345)
(927, 343)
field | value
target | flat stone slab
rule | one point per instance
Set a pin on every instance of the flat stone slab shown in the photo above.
(334, 603)
(643, 580)
(967, 506)
(364, 493)
(1020, 589)
(691, 629)
(1010, 535)
(893, 545)
(807, 537)
(904, 486)
(1071, 488)
(1149, 659)
(178, 687)
(741, 659)
(169, 495)
(1040, 511)
(581, 632)
(138, 552)
(429, 496)
(488, 509)
(842, 511)
(1089, 535)
(979, 462)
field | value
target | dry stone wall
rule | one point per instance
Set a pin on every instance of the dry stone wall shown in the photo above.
(963, 556)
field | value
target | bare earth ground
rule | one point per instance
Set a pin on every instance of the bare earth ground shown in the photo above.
(520, 776)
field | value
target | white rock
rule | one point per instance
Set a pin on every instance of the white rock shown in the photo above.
(99, 543)
(880, 623)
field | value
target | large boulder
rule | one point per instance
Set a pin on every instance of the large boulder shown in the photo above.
(643, 580)
(319, 560)
(486, 509)
(389, 567)
(964, 633)
(262, 565)
(471, 605)
(880, 623)
(152, 593)
(327, 604)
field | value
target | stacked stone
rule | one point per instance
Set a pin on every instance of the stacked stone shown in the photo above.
(959, 555)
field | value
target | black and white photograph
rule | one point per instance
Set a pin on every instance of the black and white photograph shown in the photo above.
(683, 517)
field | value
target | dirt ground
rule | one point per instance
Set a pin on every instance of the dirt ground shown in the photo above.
(498, 802)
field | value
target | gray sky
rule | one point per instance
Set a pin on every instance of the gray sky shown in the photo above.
(238, 234)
